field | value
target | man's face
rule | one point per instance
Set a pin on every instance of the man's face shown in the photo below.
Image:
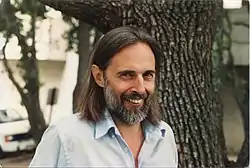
(130, 83)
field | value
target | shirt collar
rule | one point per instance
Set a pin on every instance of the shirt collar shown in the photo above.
(103, 126)
(107, 125)
(153, 132)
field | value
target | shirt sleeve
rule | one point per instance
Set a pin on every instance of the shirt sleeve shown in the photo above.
(49, 152)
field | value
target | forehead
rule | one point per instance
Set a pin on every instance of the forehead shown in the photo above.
(137, 57)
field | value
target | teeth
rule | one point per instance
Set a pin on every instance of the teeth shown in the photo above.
(136, 101)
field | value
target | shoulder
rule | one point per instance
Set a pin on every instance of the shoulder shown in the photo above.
(169, 141)
(166, 129)
(58, 138)
(72, 125)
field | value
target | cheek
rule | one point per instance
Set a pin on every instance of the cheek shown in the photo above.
(119, 89)
(150, 87)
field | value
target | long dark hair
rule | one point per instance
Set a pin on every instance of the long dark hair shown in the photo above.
(91, 102)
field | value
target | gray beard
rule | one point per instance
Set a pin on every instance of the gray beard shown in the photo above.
(120, 112)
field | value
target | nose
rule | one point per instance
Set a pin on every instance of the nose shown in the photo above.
(139, 85)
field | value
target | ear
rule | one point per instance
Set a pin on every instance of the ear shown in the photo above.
(98, 75)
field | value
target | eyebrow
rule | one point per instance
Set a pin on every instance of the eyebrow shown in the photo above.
(134, 72)
(150, 71)
(126, 72)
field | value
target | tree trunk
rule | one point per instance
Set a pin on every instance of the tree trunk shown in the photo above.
(243, 157)
(31, 77)
(83, 52)
(186, 84)
(184, 28)
(217, 55)
(98, 35)
(35, 116)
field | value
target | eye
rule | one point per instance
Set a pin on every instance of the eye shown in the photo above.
(127, 75)
(148, 76)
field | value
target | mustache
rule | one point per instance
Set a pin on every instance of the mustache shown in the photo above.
(135, 95)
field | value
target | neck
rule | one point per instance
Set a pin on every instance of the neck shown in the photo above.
(132, 131)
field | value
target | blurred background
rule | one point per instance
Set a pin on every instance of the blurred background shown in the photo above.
(40, 49)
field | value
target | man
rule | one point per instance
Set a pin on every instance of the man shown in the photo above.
(118, 124)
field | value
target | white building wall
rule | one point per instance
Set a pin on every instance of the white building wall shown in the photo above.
(50, 73)
(59, 74)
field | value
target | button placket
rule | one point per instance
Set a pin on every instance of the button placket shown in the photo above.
(112, 136)
(127, 152)
(142, 152)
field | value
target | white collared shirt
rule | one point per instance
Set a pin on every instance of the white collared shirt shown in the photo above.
(72, 142)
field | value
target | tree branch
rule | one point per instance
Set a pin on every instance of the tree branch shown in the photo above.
(246, 3)
(241, 24)
(240, 42)
(9, 71)
(103, 14)
(4, 6)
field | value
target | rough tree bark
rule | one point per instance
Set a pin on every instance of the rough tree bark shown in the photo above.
(184, 29)
(217, 54)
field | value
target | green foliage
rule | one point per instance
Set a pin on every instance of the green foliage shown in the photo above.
(12, 24)
(222, 57)
(29, 6)
(72, 34)
(217, 54)
(9, 22)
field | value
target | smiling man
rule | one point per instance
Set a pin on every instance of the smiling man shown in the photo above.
(118, 123)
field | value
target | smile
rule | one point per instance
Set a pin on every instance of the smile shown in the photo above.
(135, 101)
